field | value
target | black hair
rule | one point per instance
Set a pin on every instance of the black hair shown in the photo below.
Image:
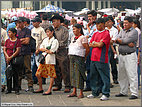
(66, 22)
(28, 21)
(51, 29)
(111, 18)
(13, 30)
(106, 19)
(137, 22)
(44, 16)
(79, 26)
(92, 12)
(129, 18)
(100, 20)
(121, 24)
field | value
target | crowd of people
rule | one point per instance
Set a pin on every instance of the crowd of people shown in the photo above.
(77, 54)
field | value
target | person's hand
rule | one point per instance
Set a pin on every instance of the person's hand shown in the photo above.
(91, 45)
(88, 24)
(138, 60)
(47, 51)
(131, 44)
(8, 59)
(111, 42)
(37, 52)
(119, 40)
(87, 36)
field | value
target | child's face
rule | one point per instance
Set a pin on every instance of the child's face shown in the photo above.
(11, 34)
(100, 26)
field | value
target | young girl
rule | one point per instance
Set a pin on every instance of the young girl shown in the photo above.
(78, 51)
(50, 46)
(9, 54)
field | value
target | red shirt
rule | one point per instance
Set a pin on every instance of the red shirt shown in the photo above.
(101, 54)
(9, 45)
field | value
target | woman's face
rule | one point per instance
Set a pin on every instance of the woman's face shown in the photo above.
(76, 31)
(11, 34)
(49, 33)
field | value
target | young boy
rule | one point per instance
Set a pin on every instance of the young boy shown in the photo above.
(99, 69)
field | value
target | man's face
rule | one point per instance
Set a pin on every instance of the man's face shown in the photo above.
(91, 18)
(36, 24)
(20, 24)
(109, 23)
(127, 25)
(56, 22)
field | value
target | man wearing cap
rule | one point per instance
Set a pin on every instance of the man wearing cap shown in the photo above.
(62, 66)
(12, 24)
(24, 35)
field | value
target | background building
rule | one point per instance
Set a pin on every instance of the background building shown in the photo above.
(73, 6)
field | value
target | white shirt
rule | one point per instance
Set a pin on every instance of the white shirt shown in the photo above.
(38, 34)
(113, 33)
(76, 48)
(50, 58)
(139, 35)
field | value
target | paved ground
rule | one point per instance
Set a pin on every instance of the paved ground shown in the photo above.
(60, 98)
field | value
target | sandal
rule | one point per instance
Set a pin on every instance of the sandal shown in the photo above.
(72, 95)
(80, 96)
(2, 89)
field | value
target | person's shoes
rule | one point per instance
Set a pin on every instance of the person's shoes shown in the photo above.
(80, 96)
(38, 91)
(90, 96)
(2, 89)
(67, 90)
(72, 95)
(111, 86)
(120, 95)
(7, 92)
(30, 89)
(133, 97)
(47, 93)
(56, 89)
(103, 98)
(17, 93)
(87, 89)
(115, 82)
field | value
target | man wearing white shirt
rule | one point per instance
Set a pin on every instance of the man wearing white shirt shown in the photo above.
(112, 58)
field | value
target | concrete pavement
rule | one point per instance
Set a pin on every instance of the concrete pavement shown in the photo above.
(59, 98)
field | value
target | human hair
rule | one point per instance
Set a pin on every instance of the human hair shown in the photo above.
(129, 19)
(92, 12)
(79, 26)
(51, 29)
(121, 24)
(111, 18)
(137, 22)
(100, 20)
(28, 21)
(73, 20)
(106, 19)
(66, 22)
(13, 30)
(44, 16)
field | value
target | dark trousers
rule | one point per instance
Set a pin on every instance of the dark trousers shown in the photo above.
(88, 61)
(25, 71)
(99, 78)
(62, 69)
(113, 63)
(15, 76)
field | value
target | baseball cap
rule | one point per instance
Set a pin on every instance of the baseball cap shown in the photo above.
(21, 19)
(14, 18)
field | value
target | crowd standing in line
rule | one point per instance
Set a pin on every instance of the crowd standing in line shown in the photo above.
(75, 52)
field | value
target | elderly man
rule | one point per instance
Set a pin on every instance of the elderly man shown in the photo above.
(127, 74)
(62, 66)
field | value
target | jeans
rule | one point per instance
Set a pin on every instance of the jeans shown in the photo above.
(99, 78)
